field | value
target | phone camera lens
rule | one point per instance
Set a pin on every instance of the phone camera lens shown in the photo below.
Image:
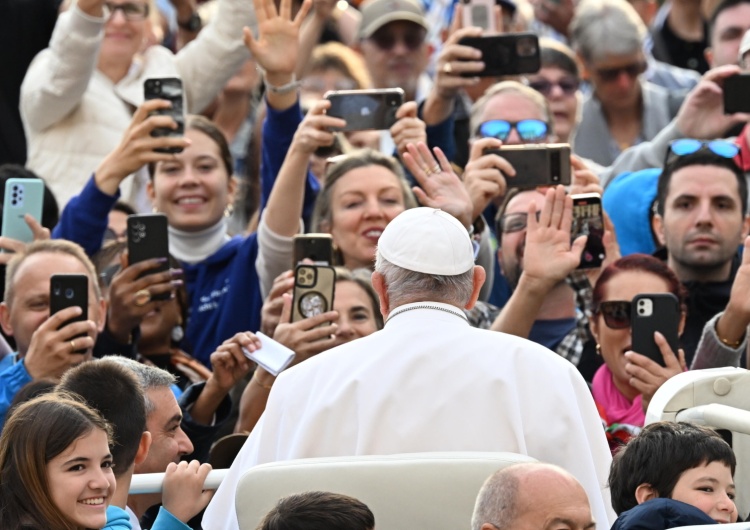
(56, 290)
(69, 293)
(641, 311)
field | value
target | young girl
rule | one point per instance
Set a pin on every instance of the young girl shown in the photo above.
(55, 466)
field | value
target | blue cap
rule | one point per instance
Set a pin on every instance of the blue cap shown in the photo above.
(627, 201)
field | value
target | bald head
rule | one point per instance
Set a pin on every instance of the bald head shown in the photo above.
(532, 496)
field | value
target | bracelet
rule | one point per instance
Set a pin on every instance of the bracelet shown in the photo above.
(291, 86)
(258, 381)
(731, 344)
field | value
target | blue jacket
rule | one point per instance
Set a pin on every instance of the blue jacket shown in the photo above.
(660, 514)
(13, 377)
(118, 519)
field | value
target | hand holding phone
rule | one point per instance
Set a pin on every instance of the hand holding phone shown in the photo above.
(588, 221)
(70, 290)
(22, 196)
(314, 287)
(536, 164)
(509, 54)
(654, 312)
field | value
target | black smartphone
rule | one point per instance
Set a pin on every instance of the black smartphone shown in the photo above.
(69, 290)
(588, 221)
(537, 164)
(737, 94)
(654, 312)
(318, 248)
(314, 288)
(147, 239)
(508, 54)
(169, 88)
(365, 109)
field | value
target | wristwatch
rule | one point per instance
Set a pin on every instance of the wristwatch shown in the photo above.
(192, 24)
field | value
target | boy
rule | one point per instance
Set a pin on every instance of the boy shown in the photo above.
(678, 461)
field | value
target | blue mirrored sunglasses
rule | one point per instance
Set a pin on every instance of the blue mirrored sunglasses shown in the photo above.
(528, 130)
(688, 146)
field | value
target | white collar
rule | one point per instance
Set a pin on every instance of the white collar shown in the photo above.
(436, 306)
(192, 247)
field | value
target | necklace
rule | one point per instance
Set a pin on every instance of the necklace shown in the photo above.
(455, 313)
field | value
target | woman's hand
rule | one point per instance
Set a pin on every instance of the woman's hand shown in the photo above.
(440, 186)
(270, 314)
(408, 129)
(484, 175)
(137, 147)
(229, 363)
(646, 376)
(14, 245)
(305, 337)
(584, 180)
(315, 129)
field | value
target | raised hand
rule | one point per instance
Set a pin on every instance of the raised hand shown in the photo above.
(484, 175)
(408, 129)
(183, 494)
(315, 129)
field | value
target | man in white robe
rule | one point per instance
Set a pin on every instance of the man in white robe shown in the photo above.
(428, 381)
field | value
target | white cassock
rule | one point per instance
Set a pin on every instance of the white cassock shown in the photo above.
(429, 382)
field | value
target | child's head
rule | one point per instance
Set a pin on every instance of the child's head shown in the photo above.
(677, 461)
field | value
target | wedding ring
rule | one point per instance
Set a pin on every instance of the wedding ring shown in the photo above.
(427, 170)
(447, 68)
(142, 297)
(73, 345)
(436, 169)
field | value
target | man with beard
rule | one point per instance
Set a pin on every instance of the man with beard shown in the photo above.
(701, 219)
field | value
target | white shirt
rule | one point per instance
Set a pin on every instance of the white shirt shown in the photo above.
(429, 382)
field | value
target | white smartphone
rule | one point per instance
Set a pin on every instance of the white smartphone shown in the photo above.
(273, 356)
(481, 14)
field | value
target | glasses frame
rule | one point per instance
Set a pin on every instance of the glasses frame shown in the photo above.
(545, 86)
(633, 70)
(703, 145)
(379, 39)
(514, 125)
(608, 314)
(112, 8)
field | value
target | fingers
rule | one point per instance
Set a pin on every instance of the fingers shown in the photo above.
(36, 228)
(745, 251)
(247, 35)
(286, 309)
(670, 359)
(408, 109)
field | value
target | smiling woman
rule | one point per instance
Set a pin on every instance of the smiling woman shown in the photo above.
(55, 466)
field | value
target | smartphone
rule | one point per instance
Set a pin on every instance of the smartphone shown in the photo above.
(479, 13)
(147, 239)
(654, 312)
(508, 54)
(22, 196)
(588, 221)
(365, 109)
(318, 248)
(736, 91)
(314, 287)
(537, 164)
(70, 290)
(169, 88)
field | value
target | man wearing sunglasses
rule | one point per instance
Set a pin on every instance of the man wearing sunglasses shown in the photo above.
(624, 108)
(701, 219)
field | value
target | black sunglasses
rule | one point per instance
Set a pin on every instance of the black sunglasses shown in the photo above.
(610, 74)
(567, 86)
(616, 313)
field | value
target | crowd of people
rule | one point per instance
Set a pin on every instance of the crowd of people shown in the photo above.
(462, 319)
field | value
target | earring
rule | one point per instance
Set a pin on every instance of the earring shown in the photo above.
(229, 210)
(598, 349)
(178, 333)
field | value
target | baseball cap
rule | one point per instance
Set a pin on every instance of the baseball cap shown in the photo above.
(429, 241)
(378, 13)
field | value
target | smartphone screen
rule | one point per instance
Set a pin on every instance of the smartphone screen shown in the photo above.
(148, 238)
(69, 290)
(588, 221)
(169, 88)
(365, 109)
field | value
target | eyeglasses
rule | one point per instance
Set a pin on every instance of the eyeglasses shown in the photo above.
(611, 74)
(132, 11)
(514, 222)
(688, 146)
(567, 86)
(386, 39)
(528, 130)
(616, 314)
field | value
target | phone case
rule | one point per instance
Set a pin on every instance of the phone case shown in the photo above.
(736, 90)
(69, 290)
(147, 239)
(588, 221)
(318, 248)
(479, 13)
(509, 54)
(169, 88)
(365, 109)
(537, 164)
(654, 312)
(314, 287)
(22, 196)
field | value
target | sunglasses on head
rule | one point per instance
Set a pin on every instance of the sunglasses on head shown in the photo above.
(610, 74)
(688, 146)
(616, 314)
(386, 39)
(528, 130)
(567, 86)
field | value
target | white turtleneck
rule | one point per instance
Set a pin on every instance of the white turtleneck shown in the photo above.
(193, 247)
